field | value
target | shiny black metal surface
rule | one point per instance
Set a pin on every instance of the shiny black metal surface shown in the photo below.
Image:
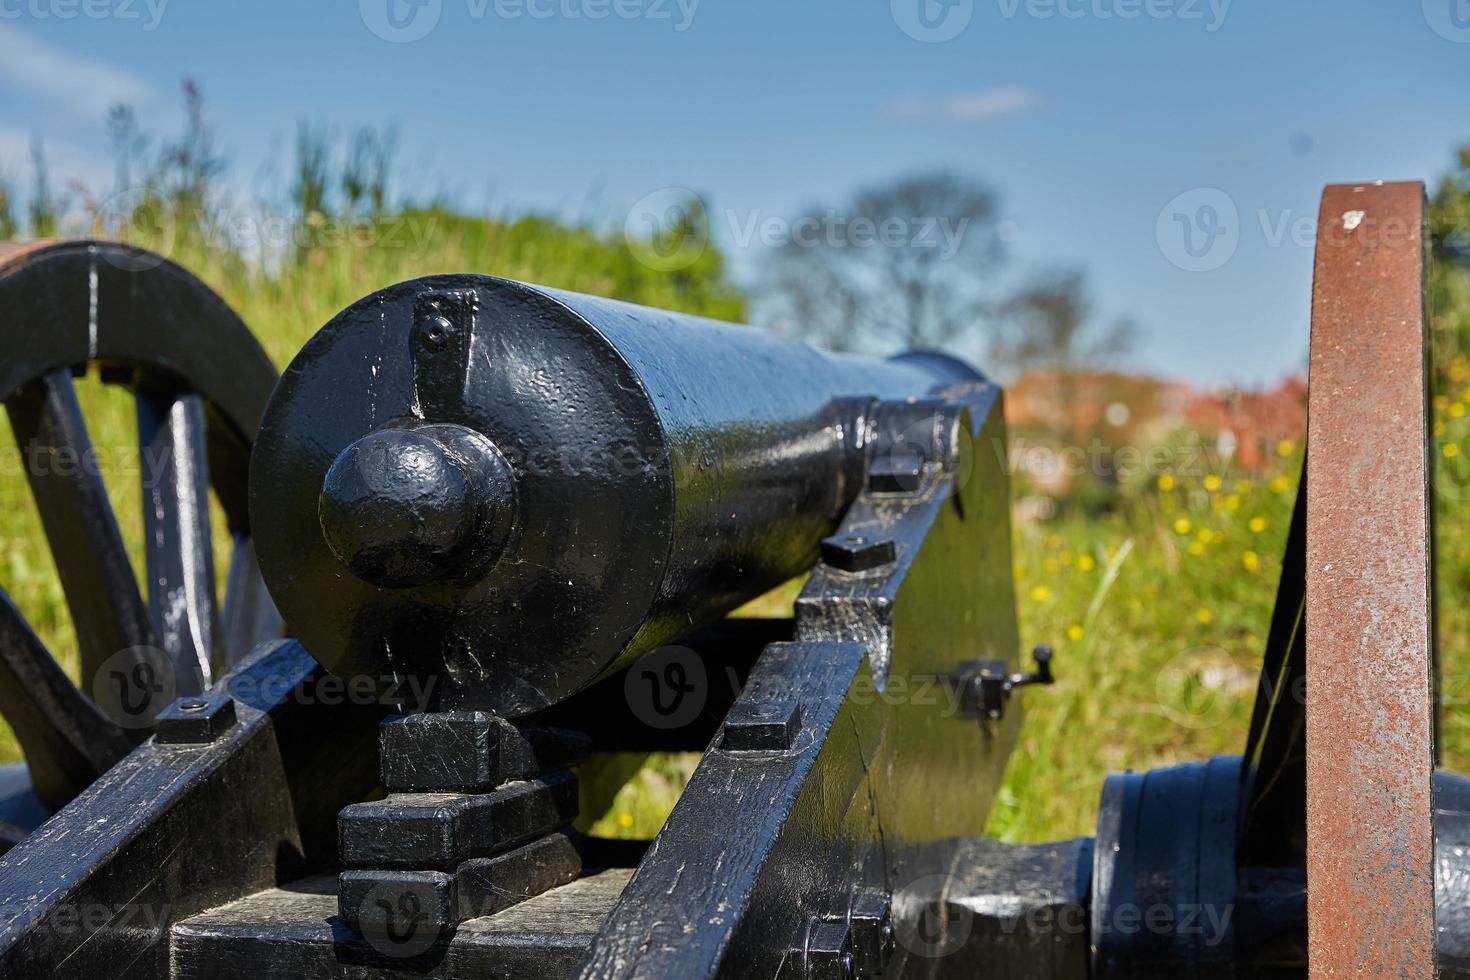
(662, 469)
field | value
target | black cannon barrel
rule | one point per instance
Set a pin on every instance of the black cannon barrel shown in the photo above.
(517, 489)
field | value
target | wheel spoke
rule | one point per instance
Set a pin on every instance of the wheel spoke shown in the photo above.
(250, 615)
(68, 742)
(106, 607)
(175, 473)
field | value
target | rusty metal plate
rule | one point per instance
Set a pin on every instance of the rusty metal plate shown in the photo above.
(1370, 666)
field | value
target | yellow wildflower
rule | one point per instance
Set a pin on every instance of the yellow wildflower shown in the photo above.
(1086, 563)
(1166, 482)
(1074, 632)
(1257, 525)
(1213, 482)
(1204, 616)
(1181, 525)
(1285, 448)
(1251, 561)
(1040, 593)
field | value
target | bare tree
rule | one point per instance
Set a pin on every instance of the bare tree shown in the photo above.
(906, 263)
(1048, 325)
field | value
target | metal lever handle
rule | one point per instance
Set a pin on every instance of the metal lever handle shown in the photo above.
(990, 684)
(1042, 655)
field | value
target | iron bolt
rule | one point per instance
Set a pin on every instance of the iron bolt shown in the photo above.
(435, 332)
(858, 553)
(195, 720)
(762, 726)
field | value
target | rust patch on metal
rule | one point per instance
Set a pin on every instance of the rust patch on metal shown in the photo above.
(1370, 707)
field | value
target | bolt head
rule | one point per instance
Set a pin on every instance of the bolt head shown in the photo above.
(436, 332)
(769, 726)
(195, 720)
(858, 552)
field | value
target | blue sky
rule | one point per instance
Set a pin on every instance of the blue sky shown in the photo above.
(1108, 126)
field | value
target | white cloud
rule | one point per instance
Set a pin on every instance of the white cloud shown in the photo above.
(966, 106)
(74, 83)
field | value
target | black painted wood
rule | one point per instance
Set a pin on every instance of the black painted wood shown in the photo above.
(177, 539)
(67, 741)
(144, 323)
(250, 615)
(418, 831)
(102, 594)
(172, 830)
(294, 931)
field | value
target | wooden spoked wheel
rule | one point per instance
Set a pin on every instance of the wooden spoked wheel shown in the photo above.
(199, 380)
